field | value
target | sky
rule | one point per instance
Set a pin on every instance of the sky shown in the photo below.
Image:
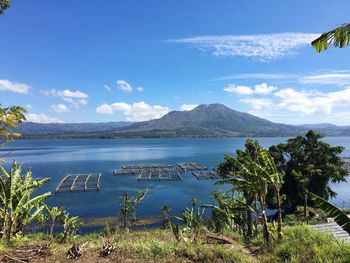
(88, 61)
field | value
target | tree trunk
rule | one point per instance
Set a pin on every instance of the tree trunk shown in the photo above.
(305, 205)
(279, 222)
(52, 227)
(249, 217)
(266, 231)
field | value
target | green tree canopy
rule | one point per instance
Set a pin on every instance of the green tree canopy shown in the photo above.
(310, 165)
(10, 117)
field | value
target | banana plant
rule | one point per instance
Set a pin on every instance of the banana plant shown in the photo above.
(339, 216)
(230, 211)
(54, 214)
(16, 199)
(192, 218)
(128, 204)
(256, 176)
(70, 224)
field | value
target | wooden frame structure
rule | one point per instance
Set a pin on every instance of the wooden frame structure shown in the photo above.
(203, 175)
(159, 174)
(146, 166)
(191, 166)
(80, 182)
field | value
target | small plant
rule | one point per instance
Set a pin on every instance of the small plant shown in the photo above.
(70, 225)
(128, 204)
(165, 214)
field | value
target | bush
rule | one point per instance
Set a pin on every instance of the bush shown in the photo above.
(302, 244)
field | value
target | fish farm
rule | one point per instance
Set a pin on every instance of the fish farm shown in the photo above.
(80, 182)
(166, 171)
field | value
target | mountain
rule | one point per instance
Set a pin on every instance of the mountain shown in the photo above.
(213, 120)
(32, 128)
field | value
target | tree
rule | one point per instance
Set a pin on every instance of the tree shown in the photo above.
(338, 37)
(69, 223)
(128, 204)
(4, 4)
(253, 172)
(309, 165)
(10, 117)
(16, 201)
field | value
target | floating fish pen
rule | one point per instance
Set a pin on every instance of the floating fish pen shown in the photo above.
(191, 166)
(80, 182)
(159, 174)
(121, 172)
(146, 166)
(204, 175)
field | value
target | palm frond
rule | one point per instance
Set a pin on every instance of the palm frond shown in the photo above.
(338, 37)
(339, 216)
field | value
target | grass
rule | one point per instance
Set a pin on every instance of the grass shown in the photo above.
(302, 244)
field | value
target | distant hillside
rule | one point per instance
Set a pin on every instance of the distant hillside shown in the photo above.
(213, 120)
(32, 128)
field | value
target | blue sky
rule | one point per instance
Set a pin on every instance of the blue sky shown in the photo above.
(79, 61)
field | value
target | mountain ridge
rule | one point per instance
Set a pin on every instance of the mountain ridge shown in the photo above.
(206, 120)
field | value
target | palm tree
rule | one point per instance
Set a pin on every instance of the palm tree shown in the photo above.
(15, 199)
(338, 37)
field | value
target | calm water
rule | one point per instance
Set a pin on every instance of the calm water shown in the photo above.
(57, 158)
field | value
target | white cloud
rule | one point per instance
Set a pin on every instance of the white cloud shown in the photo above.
(6, 85)
(328, 78)
(41, 118)
(240, 89)
(140, 89)
(263, 47)
(108, 88)
(188, 107)
(77, 98)
(261, 89)
(60, 108)
(124, 86)
(258, 103)
(139, 111)
(256, 76)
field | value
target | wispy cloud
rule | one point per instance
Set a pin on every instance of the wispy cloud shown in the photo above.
(60, 108)
(41, 118)
(261, 89)
(7, 85)
(139, 111)
(124, 86)
(256, 76)
(140, 89)
(328, 78)
(77, 97)
(263, 47)
(108, 88)
(188, 107)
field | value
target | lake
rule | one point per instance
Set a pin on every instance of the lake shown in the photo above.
(57, 158)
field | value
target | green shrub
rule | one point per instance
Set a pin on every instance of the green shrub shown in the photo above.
(302, 244)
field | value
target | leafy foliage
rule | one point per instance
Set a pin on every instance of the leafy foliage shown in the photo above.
(338, 37)
(229, 212)
(128, 204)
(4, 4)
(339, 216)
(10, 117)
(253, 172)
(18, 207)
(309, 165)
